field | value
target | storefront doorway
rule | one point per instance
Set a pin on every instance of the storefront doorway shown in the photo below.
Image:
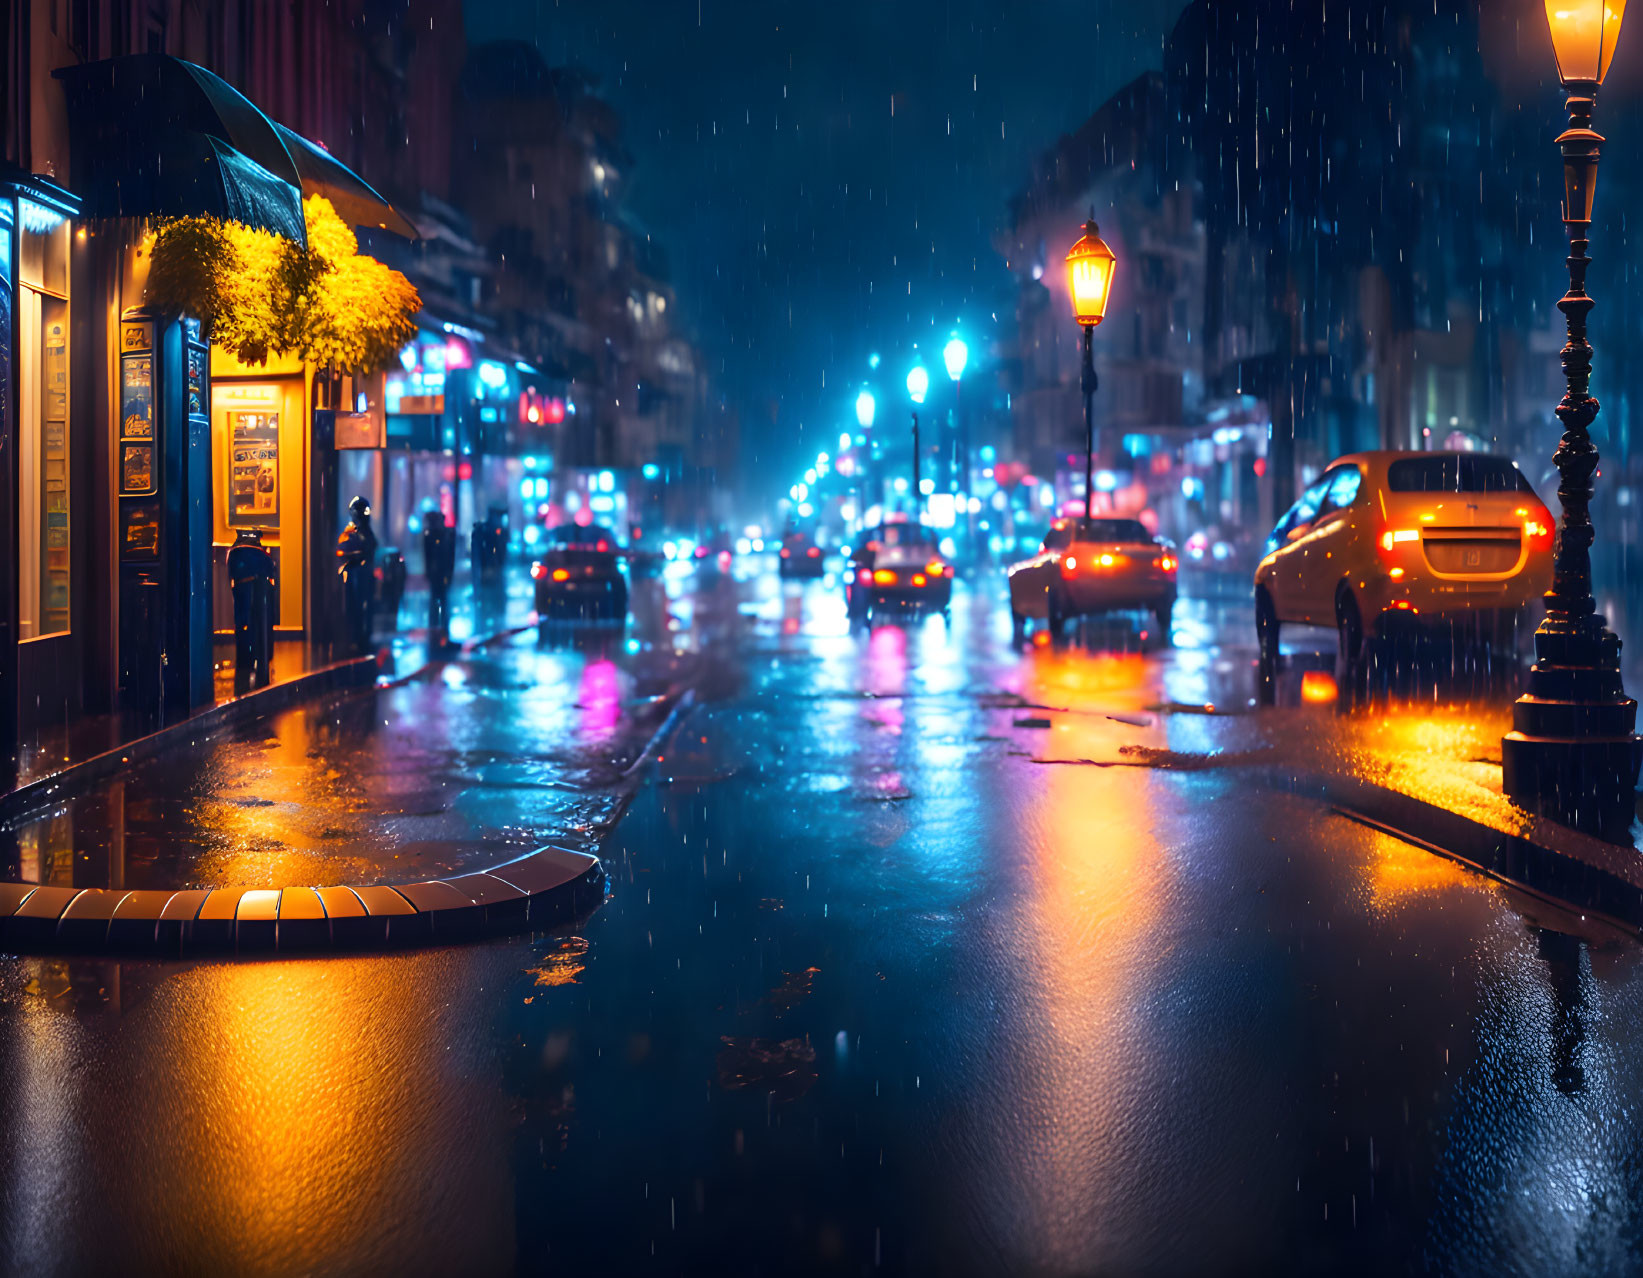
(259, 469)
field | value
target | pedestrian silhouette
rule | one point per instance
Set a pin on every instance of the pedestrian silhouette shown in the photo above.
(357, 551)
(253, 579)
(439, 565)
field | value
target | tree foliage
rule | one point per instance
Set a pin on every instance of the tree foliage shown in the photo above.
(259, 294)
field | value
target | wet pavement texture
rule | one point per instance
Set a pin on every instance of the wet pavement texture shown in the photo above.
(480, 760)
(921, 956)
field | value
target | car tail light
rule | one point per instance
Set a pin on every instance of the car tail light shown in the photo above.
(601, 545)
(1392, 536)
(884, 577)
(919, 579)
(865, 576)
(813, 552)
(1539, 531)
(538, 572)
(936, 568)
(561, 574)
(1069, 566)
(1165, 562)
(786, 553)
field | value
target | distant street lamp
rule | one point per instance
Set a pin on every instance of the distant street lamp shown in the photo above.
(918, 386)
(1573, 753)
(1090, 267)
(865, 408)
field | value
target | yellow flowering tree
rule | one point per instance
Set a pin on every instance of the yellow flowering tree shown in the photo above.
(257, 293)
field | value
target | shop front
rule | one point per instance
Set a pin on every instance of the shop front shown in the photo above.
(43, 584)
(186, 446)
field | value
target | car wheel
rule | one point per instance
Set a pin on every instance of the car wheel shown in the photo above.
(1055, 618)
(1165, 614)
(1018, 628)
(1355, 660)
(1266, 628)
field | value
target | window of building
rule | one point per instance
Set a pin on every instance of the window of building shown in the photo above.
(43, 452)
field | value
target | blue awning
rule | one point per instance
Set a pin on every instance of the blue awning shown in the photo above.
(154, 136)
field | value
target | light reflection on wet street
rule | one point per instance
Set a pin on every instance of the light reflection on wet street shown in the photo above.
(922, 955)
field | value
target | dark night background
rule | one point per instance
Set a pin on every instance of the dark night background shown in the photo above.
(806, 224)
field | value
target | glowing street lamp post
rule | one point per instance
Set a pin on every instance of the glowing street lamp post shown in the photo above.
(918, 386)
(1090, 267)
(866, 408)
(955, 355)
(1573, 753)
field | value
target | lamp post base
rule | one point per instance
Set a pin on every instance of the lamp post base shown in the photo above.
(1572, 754)
(1584, 783)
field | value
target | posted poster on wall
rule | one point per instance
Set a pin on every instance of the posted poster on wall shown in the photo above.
(137, 397)
(254, 469)
(136, 468)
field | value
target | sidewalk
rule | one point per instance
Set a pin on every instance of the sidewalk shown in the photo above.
(300, 669)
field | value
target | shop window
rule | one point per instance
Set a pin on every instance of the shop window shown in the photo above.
(43, 451)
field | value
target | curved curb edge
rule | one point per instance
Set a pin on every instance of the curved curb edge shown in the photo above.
(549, 886)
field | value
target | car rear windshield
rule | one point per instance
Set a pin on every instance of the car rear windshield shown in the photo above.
(578, 557)
(1455, 473)
(576, 537)
(903, 537)
(1128, 530)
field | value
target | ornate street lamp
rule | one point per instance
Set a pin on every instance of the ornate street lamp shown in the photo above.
(1090, 268)
(1573, 753)
(918, 386)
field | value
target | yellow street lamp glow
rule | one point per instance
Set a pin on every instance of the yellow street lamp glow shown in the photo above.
(1089, 275)
(1584, 33)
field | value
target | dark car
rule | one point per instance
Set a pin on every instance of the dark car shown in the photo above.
(898, 566)
(579, 574)
(801, 557)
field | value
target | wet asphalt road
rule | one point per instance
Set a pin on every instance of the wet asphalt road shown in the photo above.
(888, 981)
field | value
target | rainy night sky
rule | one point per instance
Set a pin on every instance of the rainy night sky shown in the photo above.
(827, 179)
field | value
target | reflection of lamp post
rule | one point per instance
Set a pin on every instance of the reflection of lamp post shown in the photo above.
(1573, 753)
(1090, 267)
(918, 386)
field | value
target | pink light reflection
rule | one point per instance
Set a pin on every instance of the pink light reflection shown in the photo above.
(599, 697)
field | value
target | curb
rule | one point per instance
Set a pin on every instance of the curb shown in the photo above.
(355, 672)
(681, 707)
(549, 886)
(1552, 862)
